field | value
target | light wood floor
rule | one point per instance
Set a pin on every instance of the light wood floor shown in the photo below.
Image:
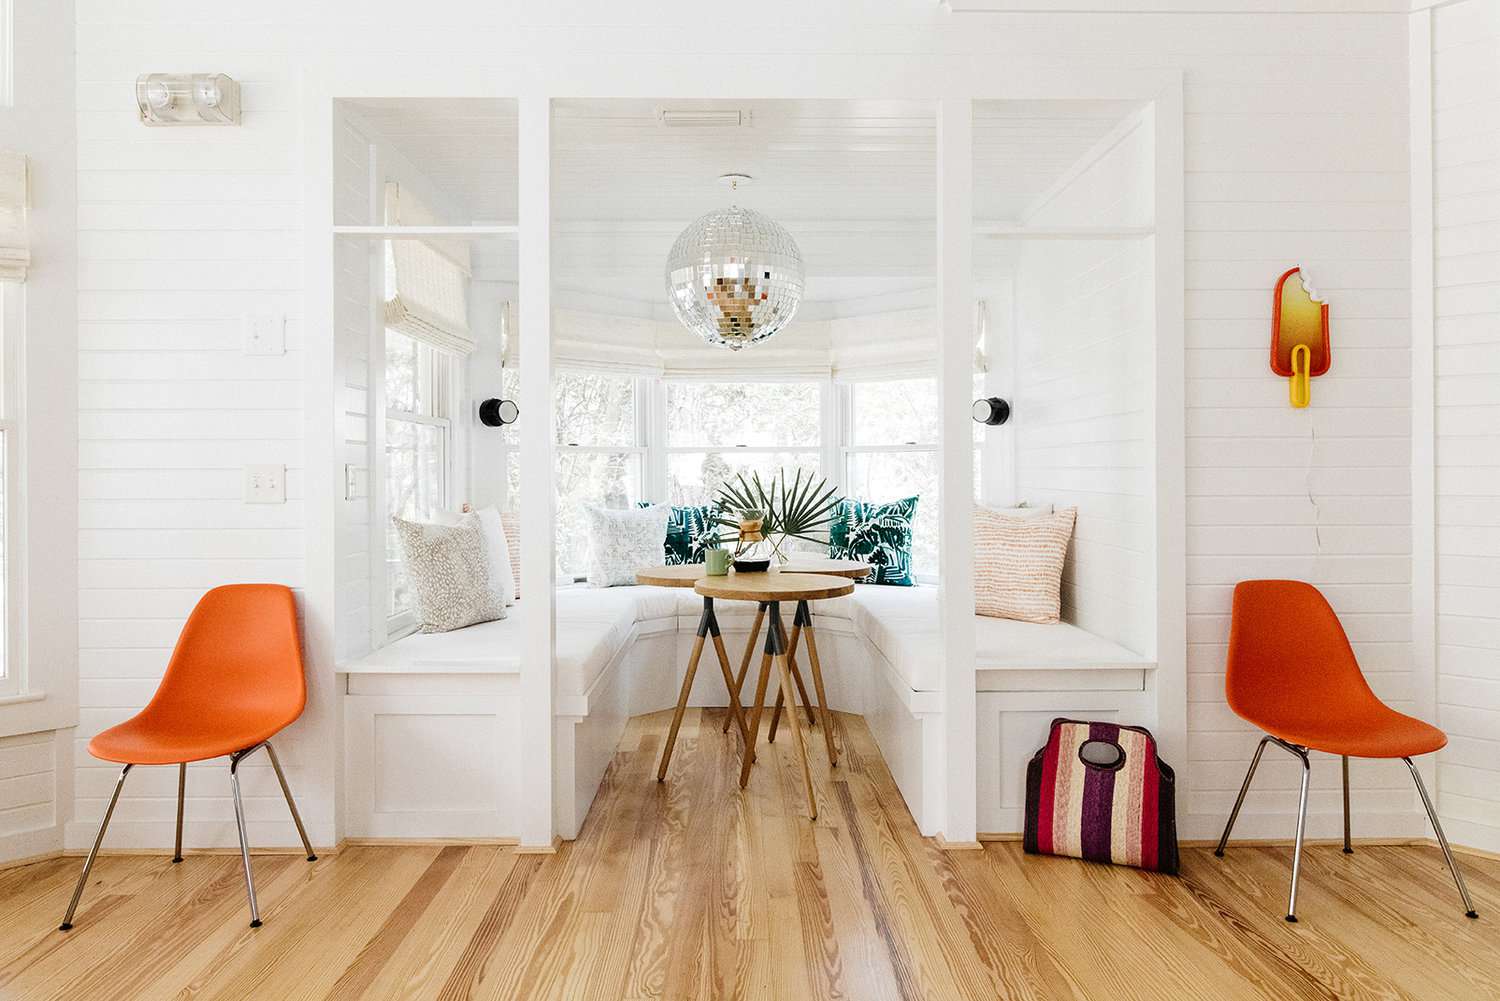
(690, 890)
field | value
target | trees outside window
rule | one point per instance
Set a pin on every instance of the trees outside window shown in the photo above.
(717, 430)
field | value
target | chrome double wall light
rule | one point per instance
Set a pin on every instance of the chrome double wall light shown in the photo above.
(735, 276)
(187, 99)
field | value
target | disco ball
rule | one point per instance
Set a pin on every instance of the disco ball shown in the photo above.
(734, 277)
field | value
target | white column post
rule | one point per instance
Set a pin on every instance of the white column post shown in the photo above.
(536, 432)
(1423, 388)
(955, 271)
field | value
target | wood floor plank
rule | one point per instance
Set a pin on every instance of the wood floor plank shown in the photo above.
(694, 889)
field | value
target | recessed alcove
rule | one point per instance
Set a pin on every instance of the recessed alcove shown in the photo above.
(1061, 325)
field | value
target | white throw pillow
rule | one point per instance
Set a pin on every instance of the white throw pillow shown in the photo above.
(1018, 563)
(496, 547)
(624, 541)
(449, 570)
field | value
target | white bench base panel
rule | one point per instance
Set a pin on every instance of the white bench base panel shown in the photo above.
(432, 728)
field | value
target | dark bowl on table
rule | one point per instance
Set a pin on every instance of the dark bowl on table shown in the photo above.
(752, 566)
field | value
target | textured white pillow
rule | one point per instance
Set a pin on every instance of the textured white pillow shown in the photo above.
(1018, 563)
(496, 547)
(511, 522)
(450, 573)
(624, 541)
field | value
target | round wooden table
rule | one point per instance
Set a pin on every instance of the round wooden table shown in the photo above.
(769, 590)
(853, 569)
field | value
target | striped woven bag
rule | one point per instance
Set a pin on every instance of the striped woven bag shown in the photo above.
(1098, 791)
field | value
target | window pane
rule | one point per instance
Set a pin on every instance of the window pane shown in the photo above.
(743, 413)
(401, 373)
(887, 476)
(416, 464)
(896, 412)
(603, 479)
(695, 477)
(594, 409)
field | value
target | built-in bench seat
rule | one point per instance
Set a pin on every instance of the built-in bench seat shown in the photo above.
(595, 624)
(622, 650)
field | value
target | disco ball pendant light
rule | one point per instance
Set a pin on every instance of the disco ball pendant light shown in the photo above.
(734, 276)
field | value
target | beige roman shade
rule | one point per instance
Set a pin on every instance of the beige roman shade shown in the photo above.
(427, 279)
(15, 252)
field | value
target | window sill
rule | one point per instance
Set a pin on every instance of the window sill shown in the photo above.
(16, 700)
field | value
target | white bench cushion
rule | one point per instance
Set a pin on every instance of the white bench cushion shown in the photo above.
(595, 624)
(902, 623)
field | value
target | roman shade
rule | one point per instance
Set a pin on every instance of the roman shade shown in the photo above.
(900, 344)
(15, 252)
(427, 279)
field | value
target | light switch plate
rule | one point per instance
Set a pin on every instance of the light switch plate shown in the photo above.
(265, 333)
(265, 484)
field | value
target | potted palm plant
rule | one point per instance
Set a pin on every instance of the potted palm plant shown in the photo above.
(799, 509)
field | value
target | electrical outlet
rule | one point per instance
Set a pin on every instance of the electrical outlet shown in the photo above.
(265, 484)
(265, 333)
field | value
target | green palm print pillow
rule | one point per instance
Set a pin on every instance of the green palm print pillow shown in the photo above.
(877, 534)
(691, 532)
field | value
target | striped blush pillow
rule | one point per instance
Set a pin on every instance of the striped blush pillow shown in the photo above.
(1018, 563)
(511, 522)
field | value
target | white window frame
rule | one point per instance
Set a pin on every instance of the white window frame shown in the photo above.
(642, 448)
(847, 448)
(15, 683)
(439, 388)
(819, 448)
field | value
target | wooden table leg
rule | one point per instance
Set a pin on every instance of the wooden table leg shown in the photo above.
(737, 690)
(791, 661)
(817, 673)
(736, 715)
(778, 656)
(760, 699)
(704, 623)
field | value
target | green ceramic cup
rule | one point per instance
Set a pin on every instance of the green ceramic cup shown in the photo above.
(716, 562)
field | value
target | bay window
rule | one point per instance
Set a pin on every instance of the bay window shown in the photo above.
(718, 430)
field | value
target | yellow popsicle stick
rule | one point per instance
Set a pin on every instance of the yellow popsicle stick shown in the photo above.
(1299, 386)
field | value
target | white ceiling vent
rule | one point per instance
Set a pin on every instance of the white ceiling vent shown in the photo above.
(703, 118)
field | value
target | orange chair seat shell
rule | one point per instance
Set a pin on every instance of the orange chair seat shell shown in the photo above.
(1292, 673)
(234, 680)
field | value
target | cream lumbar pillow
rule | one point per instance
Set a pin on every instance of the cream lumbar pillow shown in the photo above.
(449, 568)
(624, 541)
(1018, 563)
(496, 547)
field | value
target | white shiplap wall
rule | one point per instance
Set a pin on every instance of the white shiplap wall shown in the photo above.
(1466, 186)
(1295, 150)
(182, 233)
(1083, 356)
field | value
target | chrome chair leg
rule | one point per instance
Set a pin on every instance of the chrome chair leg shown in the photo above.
(239, 819)
(1349, 848)
(181, 791)
(1240, 799)
(1291, 904)
(88, 863)
(1458, 878)
(291, 805)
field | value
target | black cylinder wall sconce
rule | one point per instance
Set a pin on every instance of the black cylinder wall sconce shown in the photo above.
(992, 411)
(495, 413)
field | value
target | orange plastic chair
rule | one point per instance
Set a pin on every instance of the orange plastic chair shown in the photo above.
(1292, 673)
(234, 681)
